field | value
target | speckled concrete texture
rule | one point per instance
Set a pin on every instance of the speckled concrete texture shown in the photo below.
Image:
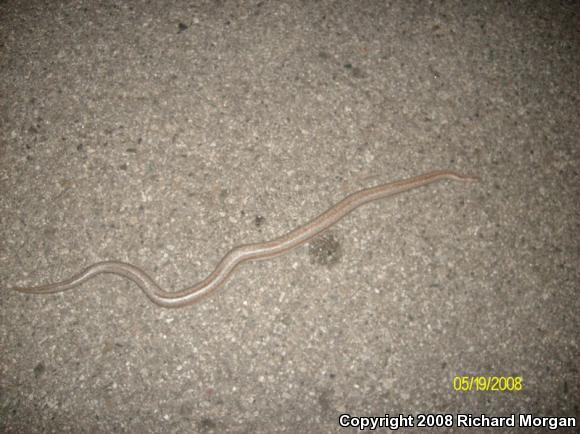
(165, 133)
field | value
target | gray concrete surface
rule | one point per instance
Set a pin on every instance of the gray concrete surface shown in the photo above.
(164, 133)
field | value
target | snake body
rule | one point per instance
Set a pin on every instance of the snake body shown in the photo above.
(246, 252)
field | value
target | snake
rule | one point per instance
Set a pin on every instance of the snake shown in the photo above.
(245, 252)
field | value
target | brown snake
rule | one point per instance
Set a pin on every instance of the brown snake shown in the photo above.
(247, 252)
